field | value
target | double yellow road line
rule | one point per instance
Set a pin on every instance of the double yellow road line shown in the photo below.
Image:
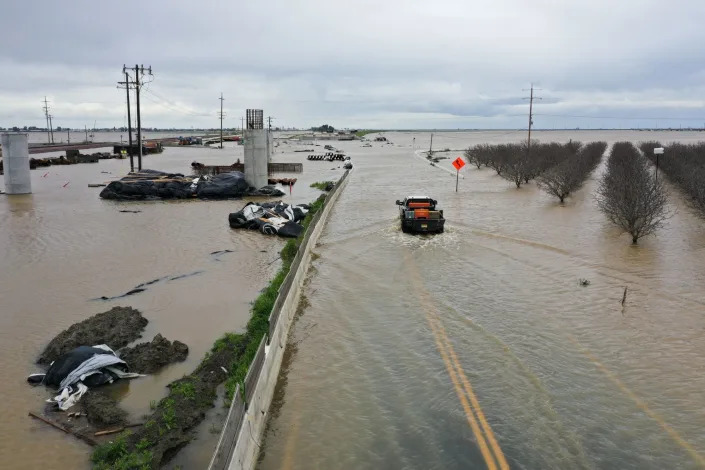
(485, 438)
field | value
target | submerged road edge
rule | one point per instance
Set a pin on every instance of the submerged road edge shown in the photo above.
(244, 451)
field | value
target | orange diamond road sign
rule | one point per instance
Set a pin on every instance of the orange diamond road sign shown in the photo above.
(458, 163)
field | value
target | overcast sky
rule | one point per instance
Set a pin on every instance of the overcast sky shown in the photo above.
(391, 64)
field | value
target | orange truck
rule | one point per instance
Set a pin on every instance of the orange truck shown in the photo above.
(419, 214)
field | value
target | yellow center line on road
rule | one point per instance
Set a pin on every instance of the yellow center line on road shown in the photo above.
(476, 404)
(482, 444)
(641, 403)
(473, 413)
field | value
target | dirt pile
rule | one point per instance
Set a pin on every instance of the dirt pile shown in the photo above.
(172, 423)
(147, 358)
(102, 410)
(117, 327)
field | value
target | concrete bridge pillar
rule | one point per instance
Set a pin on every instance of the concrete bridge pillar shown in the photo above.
(15, 157)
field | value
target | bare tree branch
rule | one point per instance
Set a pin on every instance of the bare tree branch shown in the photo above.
(629, 195)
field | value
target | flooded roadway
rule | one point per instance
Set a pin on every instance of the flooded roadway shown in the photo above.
(63, 246)
(478, 348)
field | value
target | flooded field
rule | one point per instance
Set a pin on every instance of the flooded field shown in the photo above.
(479, 348)
(62, 246)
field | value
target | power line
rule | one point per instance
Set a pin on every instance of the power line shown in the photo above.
(174, 106)
(623, 117)
(138, 82)
(50, 130)
(127, 84)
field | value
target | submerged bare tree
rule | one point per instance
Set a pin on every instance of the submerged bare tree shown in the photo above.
(569, 175)
(629, 195)
(478, 155)
(684, 164)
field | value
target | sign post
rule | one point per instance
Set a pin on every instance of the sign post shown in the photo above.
(657, 151)
(458, 163)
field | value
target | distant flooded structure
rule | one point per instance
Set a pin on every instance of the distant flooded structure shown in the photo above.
(258, 149)
(15, 150)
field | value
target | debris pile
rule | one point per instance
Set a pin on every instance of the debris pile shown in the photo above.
(271, 218)
(152, 184)
(328, 157)
(80, 369)
(75, 366)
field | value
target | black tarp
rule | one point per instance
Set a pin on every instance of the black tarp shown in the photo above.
(68, 362)
(152, 184)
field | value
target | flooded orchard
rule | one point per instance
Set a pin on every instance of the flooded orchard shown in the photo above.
(62, 248)
(479, 347)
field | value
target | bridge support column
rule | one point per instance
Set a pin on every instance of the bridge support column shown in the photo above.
(15, 156)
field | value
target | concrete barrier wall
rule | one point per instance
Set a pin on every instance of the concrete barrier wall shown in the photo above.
(246, 420)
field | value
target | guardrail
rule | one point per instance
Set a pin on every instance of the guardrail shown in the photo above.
(241, 399)
(254, 370)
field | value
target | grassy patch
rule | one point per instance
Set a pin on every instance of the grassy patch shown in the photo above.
(185, 389)
(323, 185)
(114, 455)
(365, 132)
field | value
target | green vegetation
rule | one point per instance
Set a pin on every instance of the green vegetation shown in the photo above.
(185, 389)
(324, 128)
(114, 455)
(173, 416)
(323, 185)
(258, 325)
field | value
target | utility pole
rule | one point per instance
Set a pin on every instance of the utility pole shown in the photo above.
(68, 135)
(269, 119)
(139, 121)
(242, 126)
(531, 99)
(86, 129)
(51, 128)
(139, 73)
(221, 119)
(46, 113)
(430, 148)
(127, 84)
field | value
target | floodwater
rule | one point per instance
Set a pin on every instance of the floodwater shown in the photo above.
(479, 348)
(62, 246)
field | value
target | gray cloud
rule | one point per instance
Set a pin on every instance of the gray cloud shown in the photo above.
(394, 64)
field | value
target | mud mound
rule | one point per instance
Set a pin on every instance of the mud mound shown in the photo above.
(147, 358)
(172, 424)
(117, 327)
(102, 410)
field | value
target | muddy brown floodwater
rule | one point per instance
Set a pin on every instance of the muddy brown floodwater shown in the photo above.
(478, 348)
(62, 246)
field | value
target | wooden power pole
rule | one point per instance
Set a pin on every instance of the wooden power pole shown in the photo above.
(531, 99)
(221, 119)
(46, 113)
